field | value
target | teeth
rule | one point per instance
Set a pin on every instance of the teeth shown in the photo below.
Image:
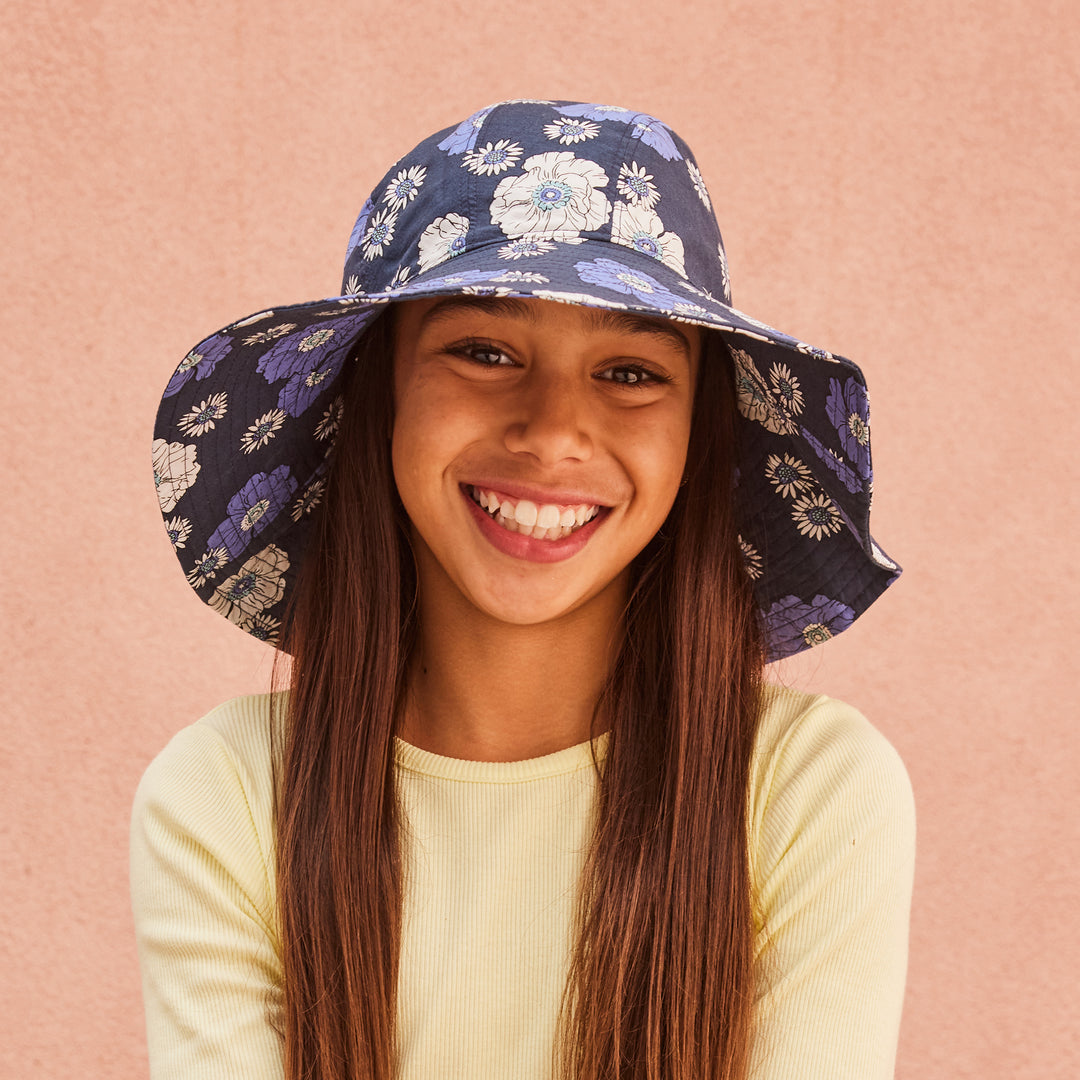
(543, 522)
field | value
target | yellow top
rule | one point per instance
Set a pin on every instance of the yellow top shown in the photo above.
(494, 850)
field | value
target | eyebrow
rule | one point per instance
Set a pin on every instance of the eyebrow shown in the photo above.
(623, 322)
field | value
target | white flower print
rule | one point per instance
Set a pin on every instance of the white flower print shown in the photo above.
(810, 350)
(308, 500)
(816, 516)
(787, 387)
(262, 431)
(315, 339)
(880, 557)
(640, 228)
(636, 186)
(493, 159)
(725, 280)
(261, 337)
(352, 286)
(380, 232)
(257, 585)
(521, 249)
(522, 275)
(558, 197)
(263, 627)
(577, 298)
(201, 418)
(401, 276)
(571, 131)
(751, 560)
(755, 399)
(404, 187)
(175, 470)
(699, 184)
(331, 420)
(442, 239)
(257, 317)
(179, 529)
(207, 567)
(789, 476)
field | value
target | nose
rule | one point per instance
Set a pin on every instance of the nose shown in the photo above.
(550, 422)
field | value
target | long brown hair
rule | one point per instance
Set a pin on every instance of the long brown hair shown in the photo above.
(660, 983)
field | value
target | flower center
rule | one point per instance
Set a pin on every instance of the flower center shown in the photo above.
(254, 513)
(552, 196)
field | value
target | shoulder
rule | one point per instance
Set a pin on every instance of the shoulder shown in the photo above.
(211, 788)
(821, 767)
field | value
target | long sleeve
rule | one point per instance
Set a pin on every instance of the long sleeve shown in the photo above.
(833, 862)
(202, 894)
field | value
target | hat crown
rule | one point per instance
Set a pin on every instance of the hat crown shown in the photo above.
(524, 176)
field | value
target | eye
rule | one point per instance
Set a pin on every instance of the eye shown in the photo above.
(636, 375)
(482, 352)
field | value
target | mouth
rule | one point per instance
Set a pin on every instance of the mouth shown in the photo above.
(537, 521)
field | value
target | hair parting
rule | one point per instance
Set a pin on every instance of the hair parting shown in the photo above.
(660, 977)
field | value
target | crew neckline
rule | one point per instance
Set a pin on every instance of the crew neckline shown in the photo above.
(560, 763)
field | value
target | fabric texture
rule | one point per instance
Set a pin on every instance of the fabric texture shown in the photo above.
(493, 853)
(552, 200)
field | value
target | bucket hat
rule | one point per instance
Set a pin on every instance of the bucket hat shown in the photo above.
(553, 200)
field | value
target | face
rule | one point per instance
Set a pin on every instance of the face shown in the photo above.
(537, 446)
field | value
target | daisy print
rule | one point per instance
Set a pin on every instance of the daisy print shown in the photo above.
(327, 427)
(566, 130)
(258, 585)
(442, 239)
(201, 418)
(699, 184)
(635, 185)
(379, 233)
(307, 502)
(522, 249)
(794, 624)
(495, 158)
(404, 187)
(207, 566)
(261, 337)
(179, 529)
(788, 476)
(816, 516)
(751, 560)
(264, 627)
(559, 196)
(175, 470)
(522, 275)
(639, 228)
(786, 387)
(401, 276)
(262, 431)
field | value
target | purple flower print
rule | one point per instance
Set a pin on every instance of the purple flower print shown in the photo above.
(848, 411)
(310, 359)
(648, 129)
(464, 136)
(252, 508)
(358, 228)
(793, 624)
(850, 478)
(624, 279)
(200, 362)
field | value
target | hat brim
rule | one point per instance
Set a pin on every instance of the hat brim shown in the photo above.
(237, 504)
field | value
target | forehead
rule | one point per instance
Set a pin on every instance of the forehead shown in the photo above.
(539, 313)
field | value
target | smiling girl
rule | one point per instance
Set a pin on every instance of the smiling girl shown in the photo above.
(526, 510)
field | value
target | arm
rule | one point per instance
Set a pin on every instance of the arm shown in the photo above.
(202, 899)
(834, 859)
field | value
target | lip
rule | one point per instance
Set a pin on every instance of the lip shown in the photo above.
(527, 547)
(556, 496)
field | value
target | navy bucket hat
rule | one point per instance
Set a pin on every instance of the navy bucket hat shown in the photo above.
(551, 200)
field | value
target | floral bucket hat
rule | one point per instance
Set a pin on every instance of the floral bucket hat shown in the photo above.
(552, 200)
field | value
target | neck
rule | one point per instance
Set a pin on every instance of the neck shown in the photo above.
(486, 690)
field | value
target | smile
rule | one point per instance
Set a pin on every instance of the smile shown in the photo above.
(543, 521)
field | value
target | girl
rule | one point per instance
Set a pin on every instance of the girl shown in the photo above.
(529, 506)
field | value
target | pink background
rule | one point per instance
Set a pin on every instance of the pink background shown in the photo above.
(895, 182)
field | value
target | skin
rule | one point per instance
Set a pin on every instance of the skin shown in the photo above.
(561, 404)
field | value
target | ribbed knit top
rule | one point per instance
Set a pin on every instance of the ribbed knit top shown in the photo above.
(494, 852)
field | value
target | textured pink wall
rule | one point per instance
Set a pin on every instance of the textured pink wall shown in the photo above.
(896, 182)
